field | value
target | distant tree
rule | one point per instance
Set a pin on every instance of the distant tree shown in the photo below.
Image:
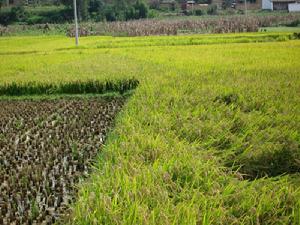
(227, 4)
(154, 4)
(2, 3)
(110, 14)
(67, 3)
(138, 10)
(109, 10)
(96, 6)
(212, 10)
(17, 13)
(96, 9)
(141, 9)
(83, 9)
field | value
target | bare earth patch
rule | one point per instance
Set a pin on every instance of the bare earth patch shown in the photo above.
(46, 146)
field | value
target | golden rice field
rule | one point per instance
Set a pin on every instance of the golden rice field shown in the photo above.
(211, 135)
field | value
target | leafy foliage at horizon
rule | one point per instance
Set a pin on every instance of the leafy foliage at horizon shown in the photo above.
(96, 10)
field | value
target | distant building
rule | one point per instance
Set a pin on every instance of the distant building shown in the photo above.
(188, 5)
(282, 4)
(267, 4)
(192, 6)
(294, 7)
(290, 5)
(250, 5)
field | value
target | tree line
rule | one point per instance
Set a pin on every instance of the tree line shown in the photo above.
(88, 10)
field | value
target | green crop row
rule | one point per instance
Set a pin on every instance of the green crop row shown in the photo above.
(77, 87)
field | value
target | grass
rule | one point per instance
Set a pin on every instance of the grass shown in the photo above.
(210, 136)
(281, 29)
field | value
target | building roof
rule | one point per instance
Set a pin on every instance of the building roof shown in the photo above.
(168, 1)
(288, 1)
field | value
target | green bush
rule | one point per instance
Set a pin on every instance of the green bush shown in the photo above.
(141, 9)
(110, 14)
(18, 14)
(5, 18)
(137, 11)
(199, 12)
(96, 8)
(295, 23)
(212, 10)
(35, 20)
(152, 13)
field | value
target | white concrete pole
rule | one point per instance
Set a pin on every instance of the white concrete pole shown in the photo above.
(76, 23)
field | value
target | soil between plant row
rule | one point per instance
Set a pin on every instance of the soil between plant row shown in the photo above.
(46, 147)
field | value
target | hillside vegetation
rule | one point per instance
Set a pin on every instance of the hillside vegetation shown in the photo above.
(210, 135)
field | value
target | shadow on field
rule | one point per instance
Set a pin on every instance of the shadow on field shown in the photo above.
(263, 150)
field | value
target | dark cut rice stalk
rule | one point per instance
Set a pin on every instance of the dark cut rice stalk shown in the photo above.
(46, 147)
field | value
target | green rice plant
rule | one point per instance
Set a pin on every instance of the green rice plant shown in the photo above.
(34, 210)
(210, 135)
(76, 87)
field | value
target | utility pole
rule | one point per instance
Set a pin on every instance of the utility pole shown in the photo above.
(245, 7)
(76, 23)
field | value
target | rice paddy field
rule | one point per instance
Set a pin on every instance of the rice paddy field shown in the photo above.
(209, 135)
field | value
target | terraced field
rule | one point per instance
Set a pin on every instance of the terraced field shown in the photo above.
(210, 135)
